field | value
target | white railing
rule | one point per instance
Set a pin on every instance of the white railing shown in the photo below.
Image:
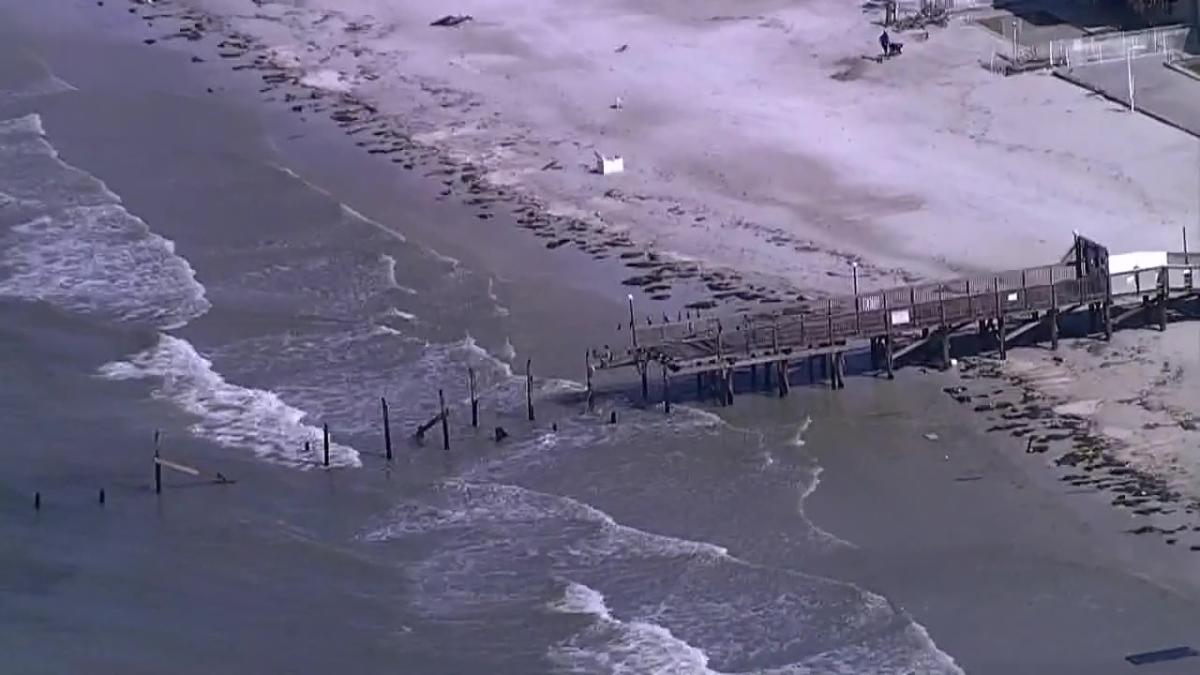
(1114, 46)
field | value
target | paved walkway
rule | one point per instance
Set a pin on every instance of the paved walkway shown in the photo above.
(1160, 92)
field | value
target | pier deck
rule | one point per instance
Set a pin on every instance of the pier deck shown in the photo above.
(895, 323)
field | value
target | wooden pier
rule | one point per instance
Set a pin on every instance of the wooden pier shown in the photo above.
(896, 323)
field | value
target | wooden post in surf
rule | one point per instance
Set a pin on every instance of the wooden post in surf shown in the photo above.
(474, 398)
(157, 466)
(325, 441)
(387, 430)
(591, 393)
(784, 385)
(666, 384)
(445, 420)
(529, 388)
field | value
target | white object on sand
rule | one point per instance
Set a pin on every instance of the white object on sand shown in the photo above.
(609, 165)
(930, 436)
(618, 104)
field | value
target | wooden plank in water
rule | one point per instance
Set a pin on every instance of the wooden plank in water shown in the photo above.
(1161, 655)
(182, 468)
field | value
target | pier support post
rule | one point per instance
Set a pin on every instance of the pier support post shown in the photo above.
(643, 367)
(812, 369)
(888, 361)
(445, 418)
(1107, 311)
(387, 430)
(784, 385)
(325, 440)
(831, 367)
(475, 397)
(1052, 320)
(1093, 318)
(157, 466)
(1002, 337)
(591, 392)
(945, 340)
(529, 387)
(666, 386)
(699, 386)
(728, 386)
(837, 364)
(1162, 307)
(767, 375)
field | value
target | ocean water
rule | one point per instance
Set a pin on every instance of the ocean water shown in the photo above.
(575, 547)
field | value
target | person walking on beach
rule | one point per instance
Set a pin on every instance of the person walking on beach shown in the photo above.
(884, 42)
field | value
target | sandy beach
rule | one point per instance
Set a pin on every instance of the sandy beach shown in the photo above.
(756, 136)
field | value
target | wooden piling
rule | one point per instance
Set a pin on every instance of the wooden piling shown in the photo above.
(387, 429)
(37, 501)
(767, 376)
(1052, 319)
(699, 386)
(831, 365)
(1106, 310)
(446, 420)
(666, 385)
(888, 361)
(1002, 337)
(728, 386)
(784, 385)
(643, 368)
(591, 392)
(474, 398)
(157, 466)
(325, 442)
(529, 388)
(945, 342)
(101, 496)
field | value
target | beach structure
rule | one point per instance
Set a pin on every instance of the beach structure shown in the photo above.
(895, 324)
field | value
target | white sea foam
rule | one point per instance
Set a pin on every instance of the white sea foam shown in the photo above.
(619, 647)
(101, 260)
(85, 252)
(679, 632)
(389, 275)
(393, 313)
(475, 504)
(501, 310)
(46, 86)
(228, 414)
(350, 211)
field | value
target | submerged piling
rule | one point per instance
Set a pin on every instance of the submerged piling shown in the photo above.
(529, 388)
(445, 420)
(387, 429)
(325, 440)
(474, 398)
(157, 466)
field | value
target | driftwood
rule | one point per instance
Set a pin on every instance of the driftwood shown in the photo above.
(451, 20)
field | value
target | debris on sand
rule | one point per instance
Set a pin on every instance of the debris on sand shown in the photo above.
(451, 20)
(930, 436)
